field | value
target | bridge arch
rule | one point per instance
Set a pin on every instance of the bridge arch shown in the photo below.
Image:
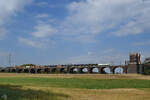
(105, 70)
(26, 71)
(47, 70)
(118, 70)
(74, 70)
(39, 70)
(62, 70)
(84, 70)
(13, 71)
(19, 70)
(33, 70)
(53, 70)
(3, 70)
(94, 70)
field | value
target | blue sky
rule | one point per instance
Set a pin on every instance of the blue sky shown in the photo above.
(73, 31)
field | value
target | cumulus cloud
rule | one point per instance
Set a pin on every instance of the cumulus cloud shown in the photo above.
(32, 42)
(81, 38)
(109, 50)
(43, 30)
(42, 4)
(119, 17)
(41, 36)
(42, 16)
(86, 19)
(7, 9)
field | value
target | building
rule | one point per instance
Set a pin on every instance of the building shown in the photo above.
(134, 64)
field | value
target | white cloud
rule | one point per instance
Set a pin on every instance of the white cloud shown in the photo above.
(119, 17)
(49, 5)
(81, 38)
(41, 36)
(32, 43)
(88, 18)
(109, 50)
(90, 53)
(7, 9)
(43, 30)
(42, 4)
(42, 16)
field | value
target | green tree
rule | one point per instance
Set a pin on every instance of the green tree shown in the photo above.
(28, 65)
(147, 68)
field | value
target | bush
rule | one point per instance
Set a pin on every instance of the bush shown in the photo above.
(147, 70)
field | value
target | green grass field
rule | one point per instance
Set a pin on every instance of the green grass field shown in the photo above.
(77, 83)
(76, 87)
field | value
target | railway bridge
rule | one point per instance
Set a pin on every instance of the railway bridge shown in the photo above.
(73, 68)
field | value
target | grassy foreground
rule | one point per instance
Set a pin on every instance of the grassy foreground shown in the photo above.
(74, 87)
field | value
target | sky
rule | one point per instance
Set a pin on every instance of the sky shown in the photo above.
(46, 32)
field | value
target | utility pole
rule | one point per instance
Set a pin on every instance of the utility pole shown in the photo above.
(9, 59)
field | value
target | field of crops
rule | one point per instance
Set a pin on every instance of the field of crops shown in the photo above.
(74, 87)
